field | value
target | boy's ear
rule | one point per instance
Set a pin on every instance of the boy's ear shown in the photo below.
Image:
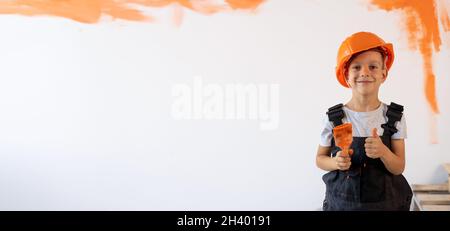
(346, 80)
(385, 72)
(384, 75)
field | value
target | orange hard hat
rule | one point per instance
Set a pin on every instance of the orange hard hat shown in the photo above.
(356, 43)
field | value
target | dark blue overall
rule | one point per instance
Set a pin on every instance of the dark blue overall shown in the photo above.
(367, 185)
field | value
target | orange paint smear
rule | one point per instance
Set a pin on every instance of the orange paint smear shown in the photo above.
(244, 4)
(422, 25)
(177, 15)
(91, 11)
(445, 18)
(85, 11)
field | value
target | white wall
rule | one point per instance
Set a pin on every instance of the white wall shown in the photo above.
(85, 110)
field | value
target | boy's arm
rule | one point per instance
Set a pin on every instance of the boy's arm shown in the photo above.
(394, 160)
(325, 162)
(323, 159)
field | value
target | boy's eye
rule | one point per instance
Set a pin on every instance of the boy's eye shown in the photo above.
(356, 67)
(372, 67)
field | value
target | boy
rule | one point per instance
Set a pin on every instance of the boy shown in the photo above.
(370, 177)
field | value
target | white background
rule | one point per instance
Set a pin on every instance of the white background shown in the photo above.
(85, 110)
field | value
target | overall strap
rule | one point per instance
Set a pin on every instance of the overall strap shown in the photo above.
(394, 114)
(336, 114)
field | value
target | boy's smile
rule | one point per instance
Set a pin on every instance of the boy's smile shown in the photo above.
(365, 81)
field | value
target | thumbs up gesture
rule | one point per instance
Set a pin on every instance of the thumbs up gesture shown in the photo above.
(374, 146)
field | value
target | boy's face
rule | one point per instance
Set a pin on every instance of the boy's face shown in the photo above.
(366, 73)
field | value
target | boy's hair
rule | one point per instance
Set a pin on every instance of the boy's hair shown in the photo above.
(377, 49)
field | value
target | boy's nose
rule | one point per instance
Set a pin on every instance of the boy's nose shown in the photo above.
(364, 71)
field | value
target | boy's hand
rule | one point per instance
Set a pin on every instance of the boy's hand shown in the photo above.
(343, 161)
(374, 146)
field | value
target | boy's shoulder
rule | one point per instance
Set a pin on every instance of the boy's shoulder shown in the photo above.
(340, 107)
(338, 112)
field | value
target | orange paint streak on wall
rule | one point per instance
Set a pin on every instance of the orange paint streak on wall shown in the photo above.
(177, 15)
(422, 25)
(244, 4)
(85, 11)
(445, 18)
(91, 11)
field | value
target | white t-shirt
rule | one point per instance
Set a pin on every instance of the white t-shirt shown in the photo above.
(362, 124)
